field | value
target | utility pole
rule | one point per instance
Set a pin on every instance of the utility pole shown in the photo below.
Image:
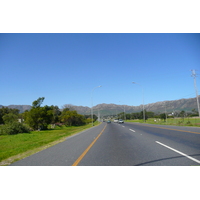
(195, 86)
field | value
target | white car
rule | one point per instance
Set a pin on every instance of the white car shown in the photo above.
(120, 121)
(116, 120)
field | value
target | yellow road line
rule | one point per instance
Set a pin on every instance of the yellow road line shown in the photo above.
(88, 148)
(171, 129)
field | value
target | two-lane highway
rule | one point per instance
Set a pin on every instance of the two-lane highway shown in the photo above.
(129, 144)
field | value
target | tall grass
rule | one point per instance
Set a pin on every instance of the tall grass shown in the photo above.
(11, 145)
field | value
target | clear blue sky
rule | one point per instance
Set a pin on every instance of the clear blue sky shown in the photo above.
(65, 68)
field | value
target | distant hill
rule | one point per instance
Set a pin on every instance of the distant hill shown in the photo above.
(21, 108)
(113, 109)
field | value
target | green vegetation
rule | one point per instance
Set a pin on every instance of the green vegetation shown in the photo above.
(4, 111)
(13, 128)
(188, 121)
(12, 145)
(137, 115)
(39, 118)
(181, 118)
(72, 118)
(37, 128)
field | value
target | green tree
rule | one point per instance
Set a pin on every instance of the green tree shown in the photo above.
(163, 116)
(56, 114)
(135, 115)
(39, 117)
(120, 115)
(37, 103)
(10, 118)
(6, 110)
(194, 112)
(140, 115)
(72, 118)
(33, 118)
(150, 114)
(182, 114)
(94, 118)
(128, 116)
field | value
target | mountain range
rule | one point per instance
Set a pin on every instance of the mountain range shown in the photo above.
(159, 107)
(112, 109)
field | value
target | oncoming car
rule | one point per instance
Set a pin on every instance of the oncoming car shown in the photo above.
(120, 121)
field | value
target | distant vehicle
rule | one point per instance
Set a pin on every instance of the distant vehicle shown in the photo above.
(120, 121)
(116, 120)
(108, 121)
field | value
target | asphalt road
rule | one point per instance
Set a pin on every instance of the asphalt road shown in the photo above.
(129, 144)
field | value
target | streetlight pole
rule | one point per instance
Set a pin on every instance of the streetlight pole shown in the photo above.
(195, 86)
(142, 99)
(92, 103)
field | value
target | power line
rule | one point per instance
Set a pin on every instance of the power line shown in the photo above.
(191, 95)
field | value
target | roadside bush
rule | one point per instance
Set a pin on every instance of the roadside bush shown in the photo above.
(14, 128)
(188, 123)
(180, 123)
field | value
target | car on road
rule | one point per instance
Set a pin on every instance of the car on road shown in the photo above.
(116, 120)
(120, 121)
(108, 121)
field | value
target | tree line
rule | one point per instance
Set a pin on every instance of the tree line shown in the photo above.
(39, 118)
(150, 114)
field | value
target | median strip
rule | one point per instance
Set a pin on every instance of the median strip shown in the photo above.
(88, 148)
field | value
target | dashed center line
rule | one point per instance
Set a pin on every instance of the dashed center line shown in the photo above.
(132, 130)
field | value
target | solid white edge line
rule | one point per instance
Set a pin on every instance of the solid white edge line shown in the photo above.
(191, 158)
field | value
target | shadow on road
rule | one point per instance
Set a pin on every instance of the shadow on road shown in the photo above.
(154, 161)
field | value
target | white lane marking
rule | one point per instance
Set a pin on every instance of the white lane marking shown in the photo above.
(132, 130)
(191, 158)
(123, 126)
